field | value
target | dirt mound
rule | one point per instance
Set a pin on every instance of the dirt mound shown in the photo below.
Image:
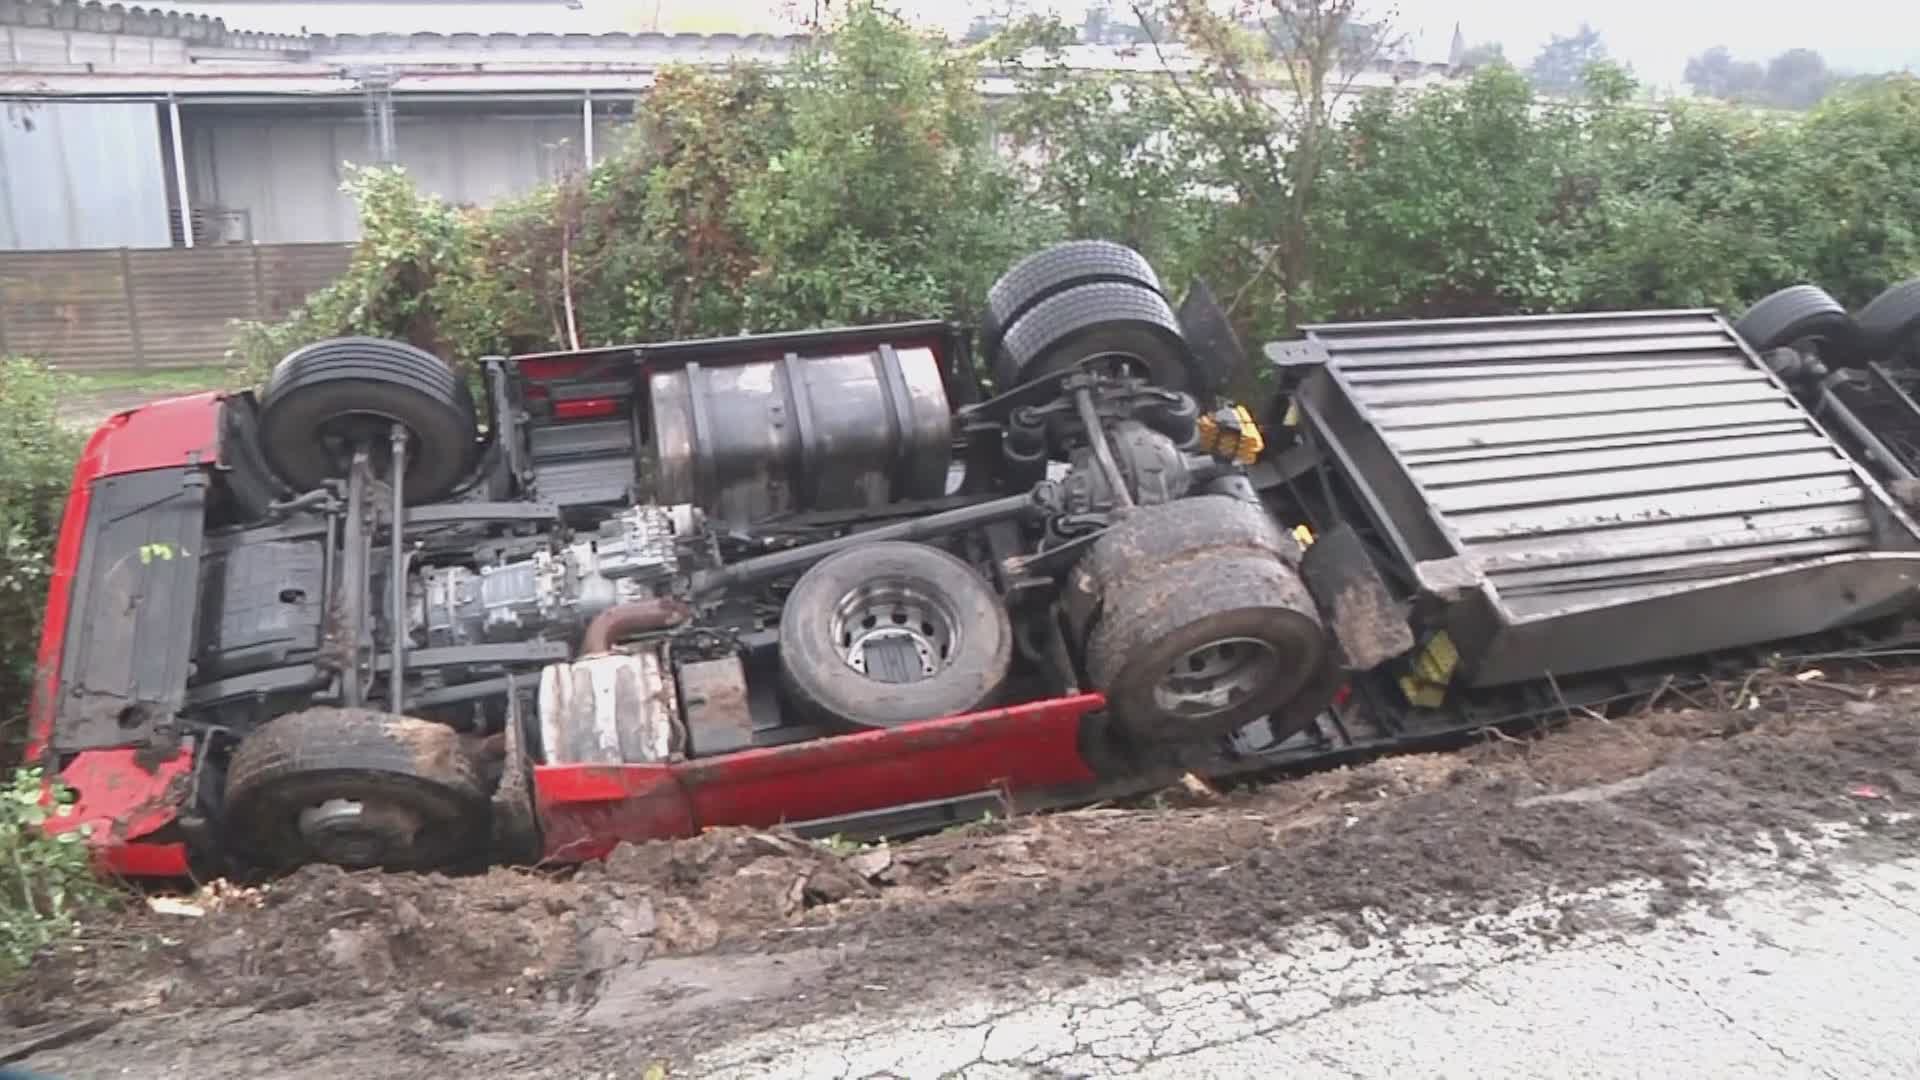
(323, 932)
(1044, 899)
(319, 933)
(1410, 839)
(722, 885)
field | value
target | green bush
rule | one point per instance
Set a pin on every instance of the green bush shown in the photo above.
(865, 183)
(859, 186)
(36, 466)
(46, 880)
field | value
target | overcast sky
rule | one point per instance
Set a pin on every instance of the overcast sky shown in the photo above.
(1655, 36)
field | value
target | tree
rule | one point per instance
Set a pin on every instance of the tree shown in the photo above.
(982, 28)
(1562, 64)
(1797, 79)
(1716, 74)
(1272, 146)
(1484, 54)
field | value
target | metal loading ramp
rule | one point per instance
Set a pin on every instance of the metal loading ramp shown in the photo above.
(1591, 491)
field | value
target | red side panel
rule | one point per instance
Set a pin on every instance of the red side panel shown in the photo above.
(119, 797)
(586, 809)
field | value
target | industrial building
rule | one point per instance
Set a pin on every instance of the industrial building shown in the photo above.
(137, 128)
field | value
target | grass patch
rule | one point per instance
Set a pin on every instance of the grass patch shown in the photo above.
(154, 380)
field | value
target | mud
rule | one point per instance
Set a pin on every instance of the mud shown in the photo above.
(668, 947)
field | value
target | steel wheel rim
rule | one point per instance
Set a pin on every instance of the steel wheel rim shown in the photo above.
(895, 630)
(356, 833)
(1216, 676)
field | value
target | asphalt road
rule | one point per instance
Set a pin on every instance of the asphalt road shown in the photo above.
(1788, 976)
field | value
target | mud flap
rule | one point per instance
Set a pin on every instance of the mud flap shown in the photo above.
(1217, 355)
(1369, 625)
(516, 830)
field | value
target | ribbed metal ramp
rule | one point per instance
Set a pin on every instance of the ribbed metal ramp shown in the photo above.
(1574, 465)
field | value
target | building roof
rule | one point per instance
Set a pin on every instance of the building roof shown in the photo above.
(53, 49)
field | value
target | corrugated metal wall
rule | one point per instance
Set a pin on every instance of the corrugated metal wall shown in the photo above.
(155, 308)
(281, 172)
(81, 176)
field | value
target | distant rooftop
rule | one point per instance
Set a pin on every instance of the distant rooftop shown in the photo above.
(67, 49)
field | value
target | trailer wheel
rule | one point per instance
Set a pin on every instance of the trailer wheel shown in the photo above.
(893, 632)
(324, 398)
(357, 788)
(1122, 320)
(1053, 270)
(1798, 314)
(1890, 324)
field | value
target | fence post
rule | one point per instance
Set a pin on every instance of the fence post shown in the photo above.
(259, 286)
(133, 310)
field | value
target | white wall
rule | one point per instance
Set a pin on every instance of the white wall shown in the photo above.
(286, 169)
(81, 175)
(43, 46)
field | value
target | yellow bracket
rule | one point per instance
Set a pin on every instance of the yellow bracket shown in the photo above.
(1425, 686)
(1232, 435)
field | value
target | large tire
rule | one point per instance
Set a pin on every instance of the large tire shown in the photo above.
(1796, 314)
(1890, 324)
(895, 600)
(1154, 536)
(1167, 582)
(1054, 270)
(322, 397)
(421, 798)
(1088, 320)
(1205, 646)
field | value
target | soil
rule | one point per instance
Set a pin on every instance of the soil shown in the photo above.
(668, 947)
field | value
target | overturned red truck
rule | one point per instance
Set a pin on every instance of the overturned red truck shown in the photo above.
(391, 613)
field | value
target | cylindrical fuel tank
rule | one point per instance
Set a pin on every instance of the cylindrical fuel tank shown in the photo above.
(842, 432)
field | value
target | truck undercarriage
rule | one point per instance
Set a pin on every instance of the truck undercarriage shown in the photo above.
(830, 579)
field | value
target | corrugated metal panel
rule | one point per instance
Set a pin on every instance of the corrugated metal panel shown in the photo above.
(81, 175)
(156, 308)
(1586, 459)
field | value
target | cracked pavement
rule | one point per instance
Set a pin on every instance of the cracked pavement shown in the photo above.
(1792, 975)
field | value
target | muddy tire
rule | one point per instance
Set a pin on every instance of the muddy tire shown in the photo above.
(891, 632)
(1054, 270)
(1156, 536)
(1204, 647)
(1799, 314)
(358, 788)
(1110, 318)
(324, 397)
(1195, 622)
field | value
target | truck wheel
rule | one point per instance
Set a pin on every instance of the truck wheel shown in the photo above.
(1116, 318)
(893, 632)
(1053, 270)
(1890, 324)
(1155, 536)
(1797, 314)
(323, 398)
(1193, 642)
(358, 788)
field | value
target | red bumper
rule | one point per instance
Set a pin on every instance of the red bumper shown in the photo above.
(585, 810)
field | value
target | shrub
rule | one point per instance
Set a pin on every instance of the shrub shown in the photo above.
(46, 880)
(36, 465)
